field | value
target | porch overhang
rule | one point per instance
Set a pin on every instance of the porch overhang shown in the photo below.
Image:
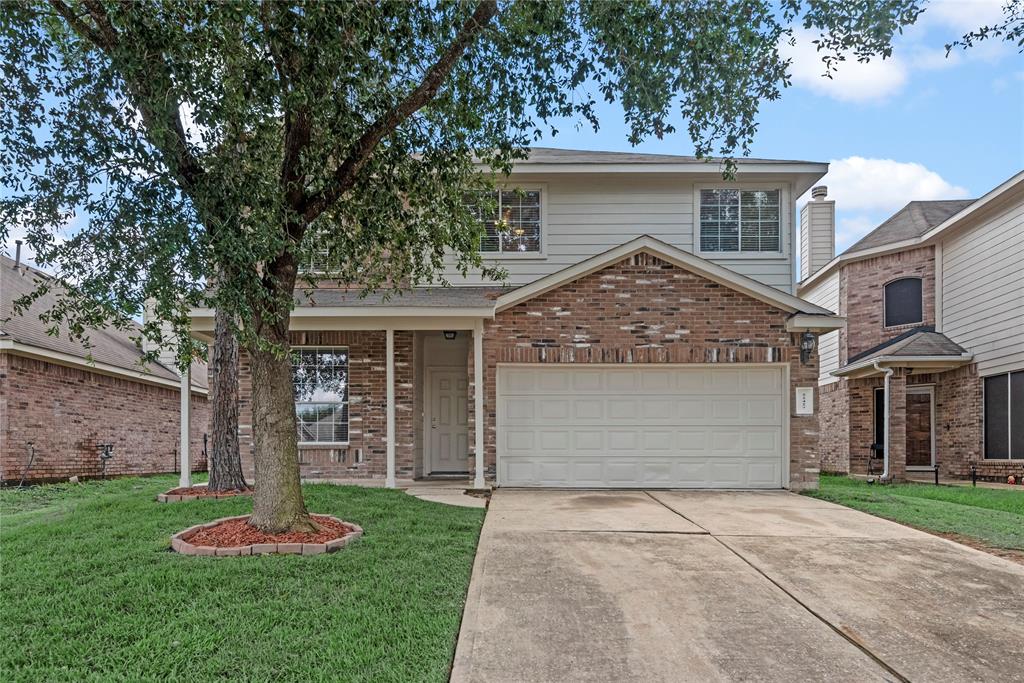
(876, 366)
(364, 318)
(805, 322)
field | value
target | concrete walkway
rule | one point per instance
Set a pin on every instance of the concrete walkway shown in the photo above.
(718, 586)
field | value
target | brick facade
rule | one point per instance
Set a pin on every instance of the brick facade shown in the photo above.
(645, 310)
(366, 454)
(862, 292)
(65, 411)
(834, 419)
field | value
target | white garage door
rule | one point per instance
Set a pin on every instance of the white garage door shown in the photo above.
(668, 426)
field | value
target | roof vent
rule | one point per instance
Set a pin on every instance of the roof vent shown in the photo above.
(17, 253)
(819, 192)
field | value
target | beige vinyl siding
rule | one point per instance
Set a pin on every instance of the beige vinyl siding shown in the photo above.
(826, 294)
(585, 215)
(983, 290)
(817, 236)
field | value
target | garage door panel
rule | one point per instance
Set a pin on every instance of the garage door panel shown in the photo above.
(640, 426)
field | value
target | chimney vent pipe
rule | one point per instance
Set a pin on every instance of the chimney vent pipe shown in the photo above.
(819, 192)
(17, 253)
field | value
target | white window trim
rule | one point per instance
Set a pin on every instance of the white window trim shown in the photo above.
(541, 255)
(897, 279)
(327, 444)
(785, 221)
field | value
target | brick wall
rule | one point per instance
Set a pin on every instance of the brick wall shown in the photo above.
(366, 454)
(66, 411)
(834, 425)
(862, 293)
(644, 310)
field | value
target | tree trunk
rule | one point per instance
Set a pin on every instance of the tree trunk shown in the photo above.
(277, 500)
(225, 462)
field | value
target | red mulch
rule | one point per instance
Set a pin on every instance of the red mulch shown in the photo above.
(204, 491)
(237, 532)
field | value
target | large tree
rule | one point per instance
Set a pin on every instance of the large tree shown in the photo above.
(200, 138)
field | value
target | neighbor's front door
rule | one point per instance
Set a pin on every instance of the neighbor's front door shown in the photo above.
(920, 446)
(448, 422)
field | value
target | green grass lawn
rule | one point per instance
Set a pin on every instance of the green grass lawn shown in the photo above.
(91, 592)
(993, 516)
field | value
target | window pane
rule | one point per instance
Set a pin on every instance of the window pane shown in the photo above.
(520, 221)
(1017, 415)
(321, 394)
(719, 220)
(996, 416)
(759, 216)
(903, 302)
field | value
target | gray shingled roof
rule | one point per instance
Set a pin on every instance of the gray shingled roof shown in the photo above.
(554, 155)
(108, 345)
(921, 341)
(913, 220)
(417, 297)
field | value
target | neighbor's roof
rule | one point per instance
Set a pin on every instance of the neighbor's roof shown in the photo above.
(912, 228)
(918, 342)
(416, 297)
(108, 346)
(910, 222)
(554, 155)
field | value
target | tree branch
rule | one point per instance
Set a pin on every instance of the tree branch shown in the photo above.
(105, 37)
(359, 154)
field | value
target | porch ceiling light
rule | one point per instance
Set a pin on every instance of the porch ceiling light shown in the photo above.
(450, 334)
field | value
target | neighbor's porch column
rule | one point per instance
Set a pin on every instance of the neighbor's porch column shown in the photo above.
(390, 353)
(478, 401)
(185, 480)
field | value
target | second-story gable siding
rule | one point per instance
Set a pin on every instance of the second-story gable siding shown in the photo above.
(588, 214)
(826, 295)
(983, 290)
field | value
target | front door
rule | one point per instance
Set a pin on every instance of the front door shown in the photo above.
(448, 422)
(920, 443)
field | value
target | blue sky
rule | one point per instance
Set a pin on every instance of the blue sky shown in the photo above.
(916, 126)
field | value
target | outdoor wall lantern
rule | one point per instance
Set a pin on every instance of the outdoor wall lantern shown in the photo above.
(450, 334)
(807, 341)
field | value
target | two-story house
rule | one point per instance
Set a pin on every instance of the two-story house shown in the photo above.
(929, 370)
(648, 336)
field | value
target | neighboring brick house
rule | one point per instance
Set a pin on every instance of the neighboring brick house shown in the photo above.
(62, 405)
(648, 336)
(934, 299)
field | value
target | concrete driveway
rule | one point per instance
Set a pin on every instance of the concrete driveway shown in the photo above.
(708, 586)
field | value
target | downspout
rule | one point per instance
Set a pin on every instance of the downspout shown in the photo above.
(885, 420)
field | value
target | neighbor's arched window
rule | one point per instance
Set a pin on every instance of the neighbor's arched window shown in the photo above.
(903, 303)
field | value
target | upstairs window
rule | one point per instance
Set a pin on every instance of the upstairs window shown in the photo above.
(903, 303)
(740, 221)
(512, 221)
(320, 377)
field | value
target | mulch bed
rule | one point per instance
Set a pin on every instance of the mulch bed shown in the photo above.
(238, 532)
(233, 536)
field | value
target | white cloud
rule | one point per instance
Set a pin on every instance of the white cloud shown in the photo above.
(867, 191)
(859, 184)
(853, 81)
(963, 15)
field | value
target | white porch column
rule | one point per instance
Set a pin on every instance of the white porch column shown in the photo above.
(185, 480)
(478, 400)
(390, 479)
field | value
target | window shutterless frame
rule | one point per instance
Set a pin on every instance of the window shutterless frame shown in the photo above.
(542, 190)
(1011, 452)
(784, 252)
(342, 405)
(885, 302)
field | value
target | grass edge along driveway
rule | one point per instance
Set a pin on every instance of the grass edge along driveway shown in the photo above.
(991, 517)
(90, 590)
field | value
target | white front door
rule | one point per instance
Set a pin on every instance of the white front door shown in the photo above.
(634, 426)
(448, 422)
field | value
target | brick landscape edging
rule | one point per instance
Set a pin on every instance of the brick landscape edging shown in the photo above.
(174, 498)
(180, 544)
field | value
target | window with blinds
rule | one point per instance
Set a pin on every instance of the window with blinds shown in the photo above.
(733, 220)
